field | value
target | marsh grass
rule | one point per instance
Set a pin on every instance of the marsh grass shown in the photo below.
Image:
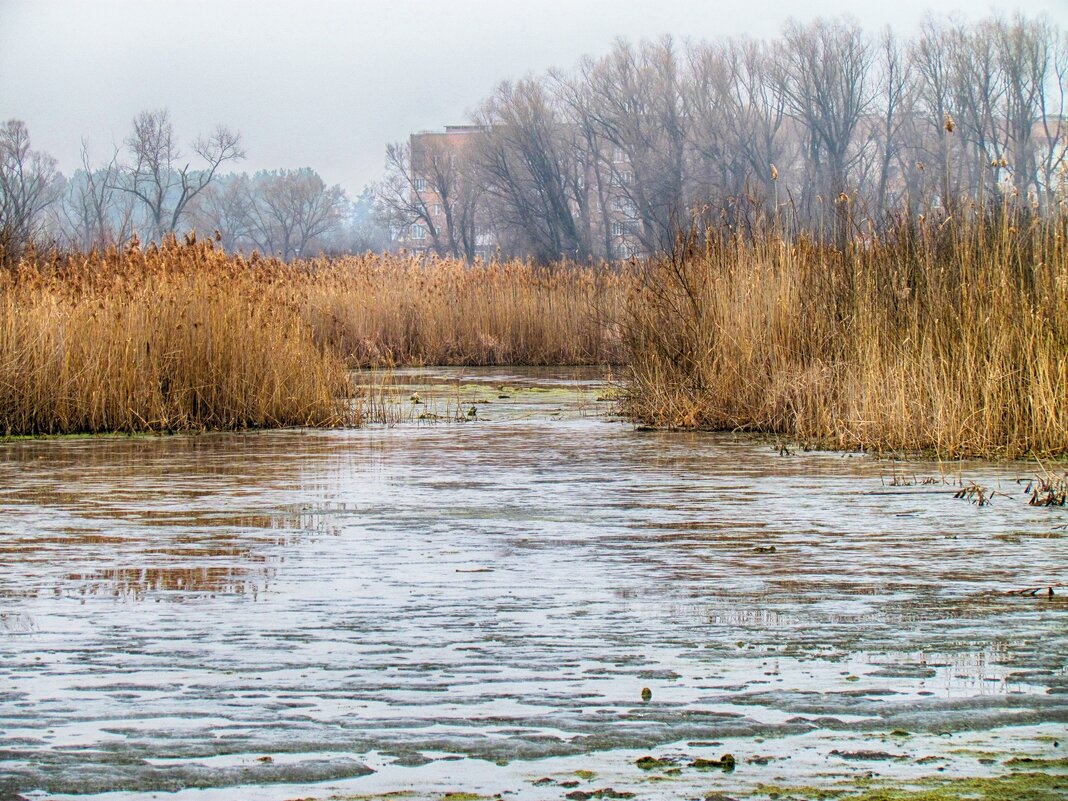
(164, 339)
(183, 336)
(949, 339)
(391, 310)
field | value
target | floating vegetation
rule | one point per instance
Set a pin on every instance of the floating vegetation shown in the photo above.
(652, 763)
(1048, 490)
(976, 493)
(604, 792)
(726, 763)
(900, 480)
(1044, 589)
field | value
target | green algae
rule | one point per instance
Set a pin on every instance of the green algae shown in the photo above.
(1028, 786)
(94, 435)
(652, 763)
(1058, 763)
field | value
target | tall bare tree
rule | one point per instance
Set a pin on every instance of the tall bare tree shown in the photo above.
(430, 182)
(226, 206)
(533, 182)
(637, 100)
(1033, 64)
(158, 174)
(28, 185)
(92, 212)
(826, 81)
(290, 209)
(740, 133)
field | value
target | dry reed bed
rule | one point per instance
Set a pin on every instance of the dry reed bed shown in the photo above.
(170, 338)
(182, 336)
(950, 339)
(391, 310)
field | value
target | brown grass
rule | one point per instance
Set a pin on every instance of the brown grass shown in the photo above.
(947, 338)
(950, 339)
(169, 338)
(389, 310)
(183, 336)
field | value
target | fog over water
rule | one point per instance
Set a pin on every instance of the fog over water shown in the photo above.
(328, 84)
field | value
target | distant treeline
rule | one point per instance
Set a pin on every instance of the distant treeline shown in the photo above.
(153, 186)
(827, 129)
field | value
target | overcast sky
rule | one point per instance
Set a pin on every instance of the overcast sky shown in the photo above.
(328, 84)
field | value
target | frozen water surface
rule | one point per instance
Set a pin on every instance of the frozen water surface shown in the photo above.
(477, 607)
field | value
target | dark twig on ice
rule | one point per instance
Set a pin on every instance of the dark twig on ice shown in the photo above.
(1045, 589)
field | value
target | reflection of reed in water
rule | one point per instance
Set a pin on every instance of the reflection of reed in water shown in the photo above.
(135, 583)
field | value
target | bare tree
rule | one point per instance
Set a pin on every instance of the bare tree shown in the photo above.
(637, 101)
(978, 99)
(226, 206)
(935, 132)
(739, 125)
(825, 78)
(362, 229)
(430, 182)
(1032, 59)
(535, 185)
(93, 212)
(28, 185)
(895, 96)
(291, 209)
(595, 154)
(159, 176)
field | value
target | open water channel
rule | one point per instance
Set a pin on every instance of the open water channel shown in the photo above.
(475, 608)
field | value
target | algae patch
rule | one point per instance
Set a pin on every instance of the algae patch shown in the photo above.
(1012, 787)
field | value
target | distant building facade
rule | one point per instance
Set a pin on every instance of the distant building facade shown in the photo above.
(442, 189)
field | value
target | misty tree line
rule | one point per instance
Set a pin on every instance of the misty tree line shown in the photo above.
(152, 187)
(828, 128)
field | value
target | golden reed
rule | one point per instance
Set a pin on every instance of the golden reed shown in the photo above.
(950, 338)
(947, 338)
(183, 336)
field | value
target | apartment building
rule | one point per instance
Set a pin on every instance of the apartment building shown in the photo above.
(445, 205)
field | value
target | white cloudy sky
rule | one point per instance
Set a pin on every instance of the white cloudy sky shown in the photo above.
(328, 84)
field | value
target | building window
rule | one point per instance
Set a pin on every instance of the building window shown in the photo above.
(617, 229)
(437, 209)
(420, 184)
(418, 232)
